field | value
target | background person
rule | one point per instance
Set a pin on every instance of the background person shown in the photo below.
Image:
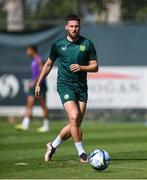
(36, 67)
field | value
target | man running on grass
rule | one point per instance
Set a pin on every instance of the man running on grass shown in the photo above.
(75, 56)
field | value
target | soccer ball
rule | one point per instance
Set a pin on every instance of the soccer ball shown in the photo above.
(99, 159)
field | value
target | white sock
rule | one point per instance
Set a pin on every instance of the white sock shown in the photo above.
(79, 148)
(26, 122)
(46, 123)
(57, 142)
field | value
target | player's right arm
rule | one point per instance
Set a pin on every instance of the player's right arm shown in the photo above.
(47, 68)
(44, 72)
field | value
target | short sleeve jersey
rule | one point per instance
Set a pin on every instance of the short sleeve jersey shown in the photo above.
(66, 53)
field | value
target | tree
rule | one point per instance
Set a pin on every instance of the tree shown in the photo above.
(15, 15)
(113, 11)
(135, 10)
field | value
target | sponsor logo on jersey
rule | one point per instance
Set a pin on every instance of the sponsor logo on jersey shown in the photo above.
(66, 96)
(64, 48)
(82, 47)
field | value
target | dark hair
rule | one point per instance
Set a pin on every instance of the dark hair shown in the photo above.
(72, 17)
(34, 47)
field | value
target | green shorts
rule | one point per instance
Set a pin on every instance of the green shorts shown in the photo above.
(70, 93)
(43, 91)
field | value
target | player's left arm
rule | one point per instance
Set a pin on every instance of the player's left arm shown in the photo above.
(91, 67)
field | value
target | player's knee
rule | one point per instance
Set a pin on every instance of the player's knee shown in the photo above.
(74, 116)
(45, 110)
(74, 119)
(29, 112)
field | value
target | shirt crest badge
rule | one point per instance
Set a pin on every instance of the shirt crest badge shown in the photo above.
(82, 47)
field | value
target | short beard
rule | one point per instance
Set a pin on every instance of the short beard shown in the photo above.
(74, 37)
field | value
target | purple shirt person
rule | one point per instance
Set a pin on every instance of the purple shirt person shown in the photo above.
(36, 66)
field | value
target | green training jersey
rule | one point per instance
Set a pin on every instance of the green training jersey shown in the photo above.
(66, 53)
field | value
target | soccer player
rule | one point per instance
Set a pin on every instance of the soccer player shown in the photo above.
(36, 67)
(75, 56)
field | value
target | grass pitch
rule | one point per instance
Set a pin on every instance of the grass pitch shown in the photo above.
(22, 153)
